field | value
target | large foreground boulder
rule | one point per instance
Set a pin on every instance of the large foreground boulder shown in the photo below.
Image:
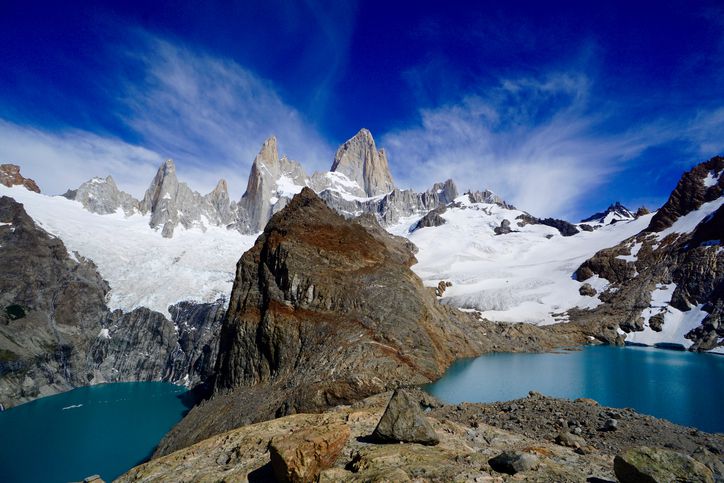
(403, 421)
(301, 456)
(657, 465)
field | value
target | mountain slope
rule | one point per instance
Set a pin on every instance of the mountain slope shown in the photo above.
(665, 285)
(56, 332)
(522, 274)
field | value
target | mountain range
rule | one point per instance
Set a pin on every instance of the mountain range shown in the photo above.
(150, 279)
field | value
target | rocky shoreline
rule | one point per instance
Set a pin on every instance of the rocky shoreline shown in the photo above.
(476, 442)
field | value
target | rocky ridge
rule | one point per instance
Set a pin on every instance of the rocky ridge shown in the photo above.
(10, 176)
(358, 182)
(312, 323)
(669, 279)
(56, 332)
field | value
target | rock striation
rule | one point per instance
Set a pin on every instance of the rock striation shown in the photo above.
(56, 332)
(10, 176)
(324, 312)
(666, 271)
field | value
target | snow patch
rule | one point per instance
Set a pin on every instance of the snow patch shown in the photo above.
(711, 179)
(143, 268)
(688, 222)
(519, 277)
(633, 254)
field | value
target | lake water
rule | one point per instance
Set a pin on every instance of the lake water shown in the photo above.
(105, 429)
(683, 387)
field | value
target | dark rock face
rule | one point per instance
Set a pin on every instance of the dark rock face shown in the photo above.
(403, 421)
(693, 261)
(617, 209)
(565, 228)
(503, 229)
(651, 465)
(56, 332)
(432, 218)
(10, 176)
(324, 312)
(690, 193)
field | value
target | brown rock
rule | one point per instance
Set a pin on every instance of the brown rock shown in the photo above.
(10, 176)
(301, 456)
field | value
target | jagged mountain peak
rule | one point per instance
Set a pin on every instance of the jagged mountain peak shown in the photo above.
(614, 213)
(269, 152)
(360, 161)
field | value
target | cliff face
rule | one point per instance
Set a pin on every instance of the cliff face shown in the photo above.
(325, 312)
(56, 332)
(666, 284)
(10, 176)
(359, 160)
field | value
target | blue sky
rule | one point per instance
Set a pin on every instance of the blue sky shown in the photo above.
(560, 107)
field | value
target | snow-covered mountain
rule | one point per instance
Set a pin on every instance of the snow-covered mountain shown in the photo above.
(521, 273)
(503, 262)
(613, 214)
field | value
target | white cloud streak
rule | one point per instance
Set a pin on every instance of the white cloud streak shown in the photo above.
(208, 114)
(535, 142)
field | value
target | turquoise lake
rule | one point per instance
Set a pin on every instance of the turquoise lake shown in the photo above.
(683, 387)
(110, 428)
(103, 429)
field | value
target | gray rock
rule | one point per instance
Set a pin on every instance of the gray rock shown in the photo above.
(102, 196)
(361, 162)
(264, 196)
(569, 440)
(512, 462)
(610, 425)
(504, 228)
(403, 421)
(657, 465)
(715, 462)
(587, 290)
(432, 218)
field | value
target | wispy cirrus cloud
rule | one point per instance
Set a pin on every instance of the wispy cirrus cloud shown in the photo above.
(209, 114)
(538, 142)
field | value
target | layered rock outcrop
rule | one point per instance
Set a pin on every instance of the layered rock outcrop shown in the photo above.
(10, 176)
(325, 312)
(56, 332)
(658, 276)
